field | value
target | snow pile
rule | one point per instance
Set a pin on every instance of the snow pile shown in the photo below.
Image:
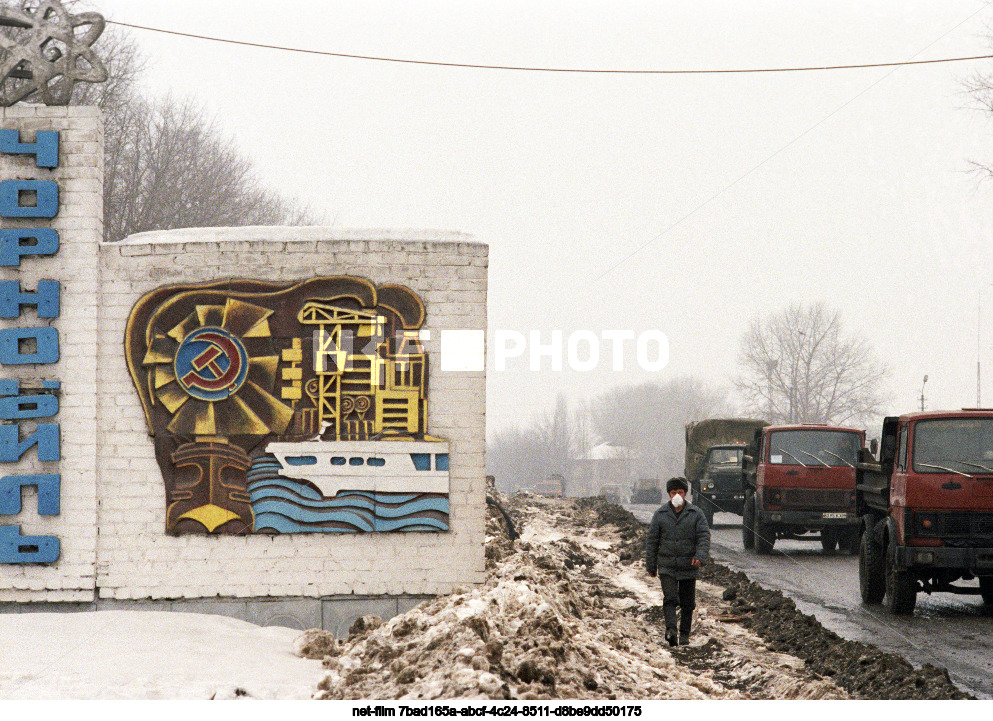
(149, 655)
(560, 616)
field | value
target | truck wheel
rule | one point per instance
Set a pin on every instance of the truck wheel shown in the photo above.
(765, 536)
(986, 589)
(901, 586)
(829, 539)
(848, 541)
(748, 524)
(872, 568)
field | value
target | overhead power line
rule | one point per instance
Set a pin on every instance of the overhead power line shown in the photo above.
(550, 70)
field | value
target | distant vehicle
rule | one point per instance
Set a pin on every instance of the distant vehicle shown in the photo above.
(647, 491)
(800, 480)
(714, 448)
(614, 492)
(551, 487)
(926, 508)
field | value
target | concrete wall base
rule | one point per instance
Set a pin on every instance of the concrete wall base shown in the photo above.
(332, 613)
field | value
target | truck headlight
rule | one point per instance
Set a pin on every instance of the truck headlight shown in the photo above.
(924, 557)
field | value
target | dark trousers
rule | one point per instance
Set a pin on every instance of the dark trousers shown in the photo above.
(678, 594)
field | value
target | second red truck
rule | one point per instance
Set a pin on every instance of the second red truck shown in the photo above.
(799, 483)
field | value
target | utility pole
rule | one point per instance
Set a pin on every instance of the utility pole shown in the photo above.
(979, 344)
(922, 392)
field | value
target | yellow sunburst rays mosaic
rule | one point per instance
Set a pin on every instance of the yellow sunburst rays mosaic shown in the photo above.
(247, 407)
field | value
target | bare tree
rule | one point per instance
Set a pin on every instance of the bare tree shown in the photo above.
(582, 429)
(554, 434)
(799, 366)
(650, 419)
(166, 164)
(518, 457)
(979, 86)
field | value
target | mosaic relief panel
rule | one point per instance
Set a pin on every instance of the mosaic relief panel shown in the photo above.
(289, 407)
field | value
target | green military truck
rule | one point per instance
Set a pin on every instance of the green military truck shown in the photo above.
(714, 448)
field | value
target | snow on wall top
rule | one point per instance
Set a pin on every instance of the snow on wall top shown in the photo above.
(292, 233)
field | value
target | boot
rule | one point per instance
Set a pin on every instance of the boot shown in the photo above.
(670, 636)
(684, 638)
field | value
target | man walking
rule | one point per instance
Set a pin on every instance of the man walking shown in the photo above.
(678, 545)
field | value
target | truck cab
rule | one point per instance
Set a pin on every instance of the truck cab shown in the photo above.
(714, 448)
(799, 483)
(720, 486)
(926, 508)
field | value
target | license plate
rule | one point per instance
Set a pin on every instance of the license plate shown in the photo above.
(834, 515)
(738, 498)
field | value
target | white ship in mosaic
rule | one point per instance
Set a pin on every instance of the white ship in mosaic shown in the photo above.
(351, 486)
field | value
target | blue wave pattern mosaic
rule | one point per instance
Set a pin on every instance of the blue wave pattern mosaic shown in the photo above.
(289, 505)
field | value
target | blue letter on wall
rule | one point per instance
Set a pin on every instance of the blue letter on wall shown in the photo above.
(46, 199)
(48, 485)
(46, 298)
(14, 407)
(47, 438)
(15, 548)
(46, 345)
(13, 247)
(45, 148)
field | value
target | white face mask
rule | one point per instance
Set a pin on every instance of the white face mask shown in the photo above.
(677, 501)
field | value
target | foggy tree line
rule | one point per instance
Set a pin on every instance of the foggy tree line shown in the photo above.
(799, 365)
(645, 422)
(166, 163)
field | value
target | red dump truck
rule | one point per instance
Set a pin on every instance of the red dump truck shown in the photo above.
(799, 483)
(926, 509)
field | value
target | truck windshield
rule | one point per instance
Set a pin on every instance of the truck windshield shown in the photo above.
(962, 445)
(814, 448)
(724, 456)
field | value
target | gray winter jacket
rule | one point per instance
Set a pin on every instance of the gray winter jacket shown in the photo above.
(675, 539)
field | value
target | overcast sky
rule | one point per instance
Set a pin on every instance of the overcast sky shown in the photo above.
(684, 204)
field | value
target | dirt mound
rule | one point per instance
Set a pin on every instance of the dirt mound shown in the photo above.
(559, 616)
(863, 670)
(631, 532)
(567, 612)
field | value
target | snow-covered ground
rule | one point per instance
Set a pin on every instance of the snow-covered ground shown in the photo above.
(566, 614)
(149, 655)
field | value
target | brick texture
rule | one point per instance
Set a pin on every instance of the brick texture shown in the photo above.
(76, 266)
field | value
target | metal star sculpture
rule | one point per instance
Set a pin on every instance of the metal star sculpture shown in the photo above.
(44, 55)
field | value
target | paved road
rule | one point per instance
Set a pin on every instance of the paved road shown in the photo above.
(947, 630)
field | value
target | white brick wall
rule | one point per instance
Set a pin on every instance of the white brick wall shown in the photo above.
(79, 223)
(112, 521)
(136, 557)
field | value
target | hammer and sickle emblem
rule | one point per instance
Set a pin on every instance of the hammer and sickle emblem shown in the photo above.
(211, 364)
